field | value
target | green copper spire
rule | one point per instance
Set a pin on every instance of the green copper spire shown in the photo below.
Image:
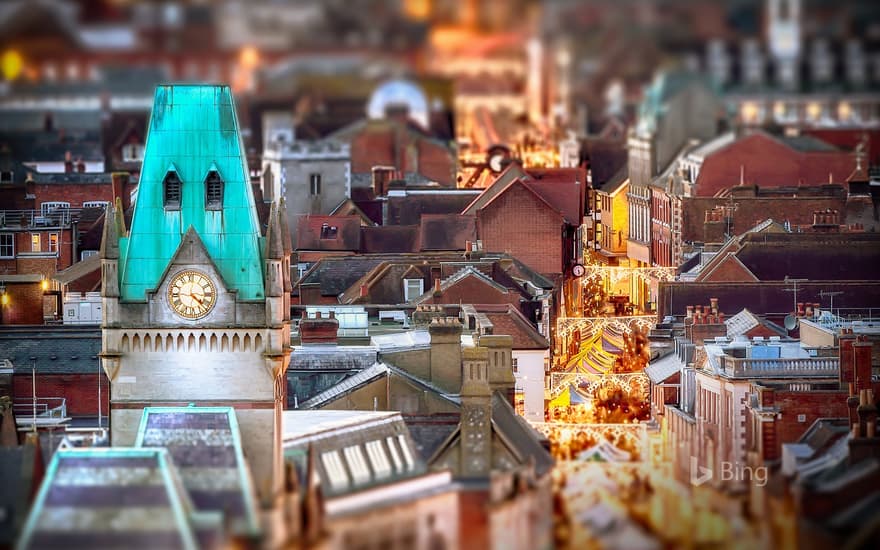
(193, 131)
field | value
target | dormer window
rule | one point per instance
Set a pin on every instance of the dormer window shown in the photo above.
(213, 191)
(171, 188)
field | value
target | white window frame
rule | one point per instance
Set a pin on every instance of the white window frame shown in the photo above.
(96, 204)
(357, 464)
(335, 469)
(395, 456)
(36, 242)
(406, 291)
(53, 247)
(132, 152)
(407, 455)
(50, 206)
(10, 245)
(378, 459)
(87, 254)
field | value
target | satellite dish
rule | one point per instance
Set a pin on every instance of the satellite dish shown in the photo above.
(791, 322)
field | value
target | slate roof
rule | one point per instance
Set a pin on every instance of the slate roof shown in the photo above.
(19, 474)
(660, 369)
(111, 497)
(205, 446)
(57, 350)
(390, 239)
(347, 385)
(840, 257)
(446, 231)
(429, 431)
(335, 275)
(319, 357)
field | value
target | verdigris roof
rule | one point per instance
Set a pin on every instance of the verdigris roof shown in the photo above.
(205, 445)
(193, 130)
(110, 498)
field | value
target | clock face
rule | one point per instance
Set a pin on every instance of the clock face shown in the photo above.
(192, 294)
(578, 270)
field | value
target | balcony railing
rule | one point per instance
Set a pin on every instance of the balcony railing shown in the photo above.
(813, 367)
(42, 411)
(25, 219)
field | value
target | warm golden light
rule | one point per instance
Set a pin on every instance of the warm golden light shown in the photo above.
(779, 109)
(749, 112)
(4, 299)
(844, 111)
(12, 64)
(249, 57)
(44, 284)
(814, 110)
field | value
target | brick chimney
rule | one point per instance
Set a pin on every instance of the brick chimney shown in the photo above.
(320, 330)
(864, 443)
(68, 163)
(80, 166)
(862, 363)
(119, 182)
(846, 373)
(445, 352)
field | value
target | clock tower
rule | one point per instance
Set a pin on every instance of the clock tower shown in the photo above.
(196, 297)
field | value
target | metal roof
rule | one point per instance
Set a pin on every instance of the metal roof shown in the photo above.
(193, 130)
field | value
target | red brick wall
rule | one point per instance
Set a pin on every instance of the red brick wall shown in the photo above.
(80, 391)
(812, 404)
(436, 162)
(74, 193)
(519, 223)
(473, 509)
(24, 306)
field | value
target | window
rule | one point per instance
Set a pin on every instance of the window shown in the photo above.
(354, 456)
(48, 207)
(335, 469)
(213, 191)
(53, 242)
(95, 204)
(515, 362)
(5, 177)
(36, 243)
(412, 289)
(407, 454)
(328, 231)
(378, 459)
(87, 254)
(171, 191)
(132, 152)
(7, 245)
(314, 184)
(395, 456)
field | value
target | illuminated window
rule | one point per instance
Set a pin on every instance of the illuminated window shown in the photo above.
(354, 456)
(213, 191)
(335, 469)
(814, 110)
(132, 152)
(7, 245)
(36, 242)
(844, 111)
(171, 188)
(53, 242)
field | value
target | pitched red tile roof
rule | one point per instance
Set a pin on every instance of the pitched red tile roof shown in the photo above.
(328, 232)
(506, 319)
(768, 161)
(563, 188)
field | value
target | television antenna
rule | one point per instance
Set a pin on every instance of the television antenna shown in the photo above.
(831, 295)
(794, 288)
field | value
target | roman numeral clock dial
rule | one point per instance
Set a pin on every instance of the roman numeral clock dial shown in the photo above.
(192, 294)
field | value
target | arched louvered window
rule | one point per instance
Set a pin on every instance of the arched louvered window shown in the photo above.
(213, 191)
(171, 191)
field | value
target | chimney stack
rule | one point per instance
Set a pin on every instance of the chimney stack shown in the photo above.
(318, 330)
(445, 352)
(68, 163)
